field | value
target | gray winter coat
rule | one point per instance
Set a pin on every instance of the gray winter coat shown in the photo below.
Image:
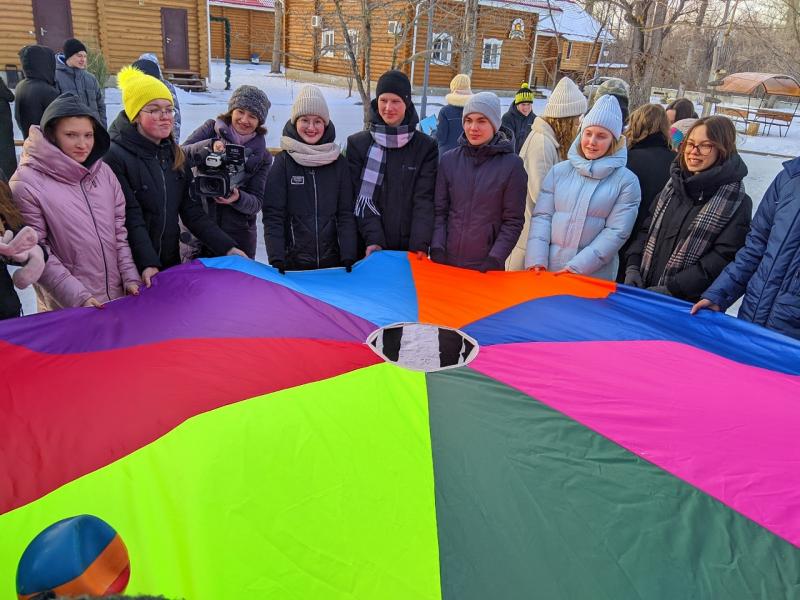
(84, 85)
(479, 203)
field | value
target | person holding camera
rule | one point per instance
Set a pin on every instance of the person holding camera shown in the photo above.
(308, 210)
(155, 178)
(243, 126)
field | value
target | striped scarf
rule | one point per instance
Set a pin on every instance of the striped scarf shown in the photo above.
(384, 138)
(703, 230)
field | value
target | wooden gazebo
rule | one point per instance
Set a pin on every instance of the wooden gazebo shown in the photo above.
(760, 89)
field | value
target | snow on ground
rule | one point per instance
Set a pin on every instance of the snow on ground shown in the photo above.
(347, 115)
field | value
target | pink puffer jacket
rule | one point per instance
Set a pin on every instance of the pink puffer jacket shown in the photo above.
(79, 214)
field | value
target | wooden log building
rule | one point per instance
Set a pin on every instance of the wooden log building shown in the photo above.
(252, 28)
(175, 30)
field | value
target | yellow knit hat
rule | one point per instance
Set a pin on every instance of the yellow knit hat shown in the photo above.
(524, 94)
(139, 89)
(461, 83)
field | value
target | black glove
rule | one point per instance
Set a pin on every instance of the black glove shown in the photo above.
(438, 255)
(491, 264)
(279, 264)
(348, 266)
(633, 277)
(659, 289)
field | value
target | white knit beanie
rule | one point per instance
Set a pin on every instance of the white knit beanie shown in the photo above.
(487, 104)
(310, 101)
(605, 113)
(565, 101)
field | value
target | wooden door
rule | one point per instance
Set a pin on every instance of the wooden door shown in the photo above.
(175, 33)
(53, 22)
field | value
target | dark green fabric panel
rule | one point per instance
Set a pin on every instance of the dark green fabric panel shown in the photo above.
(531, 504)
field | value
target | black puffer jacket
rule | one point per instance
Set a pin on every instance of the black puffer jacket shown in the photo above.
(689, 195)
(308, 212)
(519, 124)
(405, 199)
(8, 154)
(650, 161)
(38, 89)
(156, 195)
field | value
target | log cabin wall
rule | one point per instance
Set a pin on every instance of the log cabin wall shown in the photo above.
(252, 31)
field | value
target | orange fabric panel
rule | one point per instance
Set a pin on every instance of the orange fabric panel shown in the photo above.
(457, 297)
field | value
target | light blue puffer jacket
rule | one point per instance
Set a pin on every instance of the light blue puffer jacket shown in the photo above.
(584, 214)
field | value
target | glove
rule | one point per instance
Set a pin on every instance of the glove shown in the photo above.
(438, 255)
(280, 265)
(491, 264)
(32, 270)
(633, 277)
(659, 289)
(17, 245)
(348, 266)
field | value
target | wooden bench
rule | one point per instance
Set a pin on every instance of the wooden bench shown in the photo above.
(768, 118)
(737, 115)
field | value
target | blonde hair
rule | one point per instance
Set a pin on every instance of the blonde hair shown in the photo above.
(645, 121)
(565, 130)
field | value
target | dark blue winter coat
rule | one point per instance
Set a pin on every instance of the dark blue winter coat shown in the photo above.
(767, 269)
(479, 203)
(449, 128)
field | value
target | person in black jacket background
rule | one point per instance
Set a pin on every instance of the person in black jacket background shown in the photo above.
(155, 178)
(8, 154)
(38, 89)
(650, 158)
(520, 116)
(393, 169)
(699, 221)
(308, 209)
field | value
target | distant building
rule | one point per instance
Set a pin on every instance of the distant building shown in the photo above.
(252, 28)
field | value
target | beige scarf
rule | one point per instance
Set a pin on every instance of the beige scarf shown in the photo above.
(308, 155)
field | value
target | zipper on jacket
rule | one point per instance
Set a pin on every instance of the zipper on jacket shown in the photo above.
(316, 213)
(164, 221)
(99, 239)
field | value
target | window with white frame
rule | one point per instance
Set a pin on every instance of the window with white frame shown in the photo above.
(490, 58)
(354, 39)
(442, 51)
(328, 41)
(568, 51)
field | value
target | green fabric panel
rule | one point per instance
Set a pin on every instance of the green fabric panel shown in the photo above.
(324, 491)
(531, 504)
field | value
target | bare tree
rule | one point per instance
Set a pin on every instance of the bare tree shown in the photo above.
(277, 41)
(689, 75)
(468, 37)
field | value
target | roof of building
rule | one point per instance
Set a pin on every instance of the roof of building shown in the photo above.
(562, 18)
(252, 4)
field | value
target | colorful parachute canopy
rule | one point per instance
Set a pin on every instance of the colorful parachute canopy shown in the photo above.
(237, 430)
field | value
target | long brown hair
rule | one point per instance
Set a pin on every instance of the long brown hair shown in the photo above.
(565, 130)
(684, 109)
(9, 213)
(645, 121)
(720, 131)
(227, 118)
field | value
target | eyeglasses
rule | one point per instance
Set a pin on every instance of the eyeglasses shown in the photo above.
(160, 113)
(703, 149)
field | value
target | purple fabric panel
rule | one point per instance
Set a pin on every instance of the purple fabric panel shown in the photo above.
(186, 302)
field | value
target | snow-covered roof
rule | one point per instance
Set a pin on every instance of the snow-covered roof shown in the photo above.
(251, 4)
(562, 18)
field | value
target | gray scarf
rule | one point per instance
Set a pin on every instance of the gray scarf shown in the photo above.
(384, 138)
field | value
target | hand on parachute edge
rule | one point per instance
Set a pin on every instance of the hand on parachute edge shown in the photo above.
(279, 265)
(348, 266)
(147, 275)
(633, 277)
(373, 248)
(705, 303)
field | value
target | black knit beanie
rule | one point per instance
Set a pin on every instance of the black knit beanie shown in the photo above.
(394, 82)
(73, 46)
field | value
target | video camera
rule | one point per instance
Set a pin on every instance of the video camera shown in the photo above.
(220, 172)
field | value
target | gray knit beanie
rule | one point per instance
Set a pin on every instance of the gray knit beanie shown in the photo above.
(310, 101)
(252, 99)
(485, 103)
